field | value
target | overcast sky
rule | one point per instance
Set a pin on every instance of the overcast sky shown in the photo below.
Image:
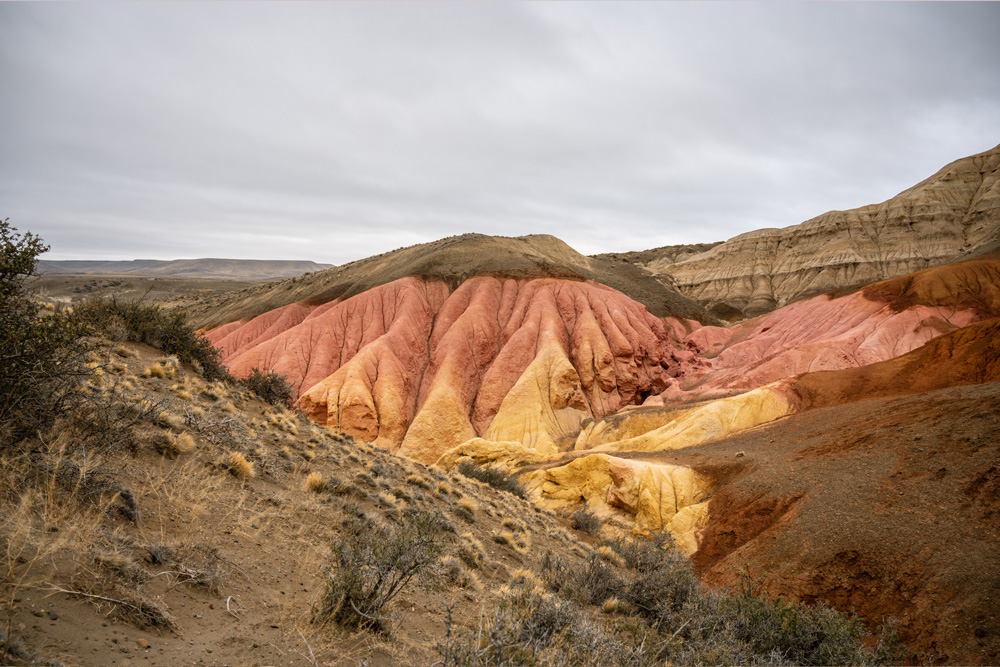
(334, 131)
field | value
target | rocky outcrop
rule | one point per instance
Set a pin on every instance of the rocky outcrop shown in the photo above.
(655, 496)
(950, 214)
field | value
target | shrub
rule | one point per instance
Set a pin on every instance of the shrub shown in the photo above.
(493, 476)
(371, 564)
(270, 387)
(585, 521)
(530, 627)
(136, 322)
(41, 356)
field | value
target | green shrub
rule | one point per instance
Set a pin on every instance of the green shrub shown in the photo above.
(495, 477)
(528, 627)
(372, 563)
(149, 324)
(41, 356)
(706, 627)
(270, 387)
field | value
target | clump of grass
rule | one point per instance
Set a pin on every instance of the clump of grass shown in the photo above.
(471, 551)
(455, 572)
(493, 476)
(173, 445)
(238, 465)
(315, 483)
(371, 564)
(155, 371)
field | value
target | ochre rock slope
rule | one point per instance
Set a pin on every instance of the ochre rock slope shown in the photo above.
(452, 261)
(415, 366)
(955, 211)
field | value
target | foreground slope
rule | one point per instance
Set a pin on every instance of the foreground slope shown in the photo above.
(951, 214)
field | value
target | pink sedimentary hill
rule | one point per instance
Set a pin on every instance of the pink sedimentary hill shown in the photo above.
(417, 367)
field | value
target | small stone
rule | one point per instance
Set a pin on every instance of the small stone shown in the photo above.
(39, 613)
(53, 616)
(114, 640)
(739, 454)
(142, 643)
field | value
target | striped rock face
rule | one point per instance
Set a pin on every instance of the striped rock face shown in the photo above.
(418, 368)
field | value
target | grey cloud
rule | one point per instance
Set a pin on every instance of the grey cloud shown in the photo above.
(332, 131)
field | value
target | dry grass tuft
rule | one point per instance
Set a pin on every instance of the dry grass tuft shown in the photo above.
(457, 574)
(609, 555)
(238, 465)
(155, 371)
(315, 483)
(173, 445)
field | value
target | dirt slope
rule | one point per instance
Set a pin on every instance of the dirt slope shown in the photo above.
(888, 507)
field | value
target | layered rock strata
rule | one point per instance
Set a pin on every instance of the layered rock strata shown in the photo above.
(419, 368)
(955, 211)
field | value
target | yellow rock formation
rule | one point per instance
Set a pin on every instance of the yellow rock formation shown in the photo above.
(440, 425)
(658, 496)
(545, 406)
(646, 432)
(505, 455)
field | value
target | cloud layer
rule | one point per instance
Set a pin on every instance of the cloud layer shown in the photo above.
(333, 131)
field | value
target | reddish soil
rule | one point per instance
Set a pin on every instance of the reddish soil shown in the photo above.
(885, 507)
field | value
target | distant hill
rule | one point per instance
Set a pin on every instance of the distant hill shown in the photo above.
(951, 216)
(230, 269)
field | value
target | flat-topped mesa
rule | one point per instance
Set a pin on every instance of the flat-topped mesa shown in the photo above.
(418, 368)
(939, 220)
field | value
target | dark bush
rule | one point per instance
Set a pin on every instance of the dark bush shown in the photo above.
(495, 477)
(149, 324)
(372, 563)
(584, 520)
(270, 387)
(41, 355)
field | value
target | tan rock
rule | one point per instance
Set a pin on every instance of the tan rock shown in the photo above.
(954, 211)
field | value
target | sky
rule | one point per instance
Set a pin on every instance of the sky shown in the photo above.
(335, 131)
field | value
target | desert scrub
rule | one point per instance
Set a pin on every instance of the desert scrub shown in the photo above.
(585, 521)
(493, 476)
(133, 321)
(527, 626)
(41, 354)
(371, 563)
(270, 387)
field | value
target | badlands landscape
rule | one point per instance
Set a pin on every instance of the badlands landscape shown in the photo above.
(814, 410)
